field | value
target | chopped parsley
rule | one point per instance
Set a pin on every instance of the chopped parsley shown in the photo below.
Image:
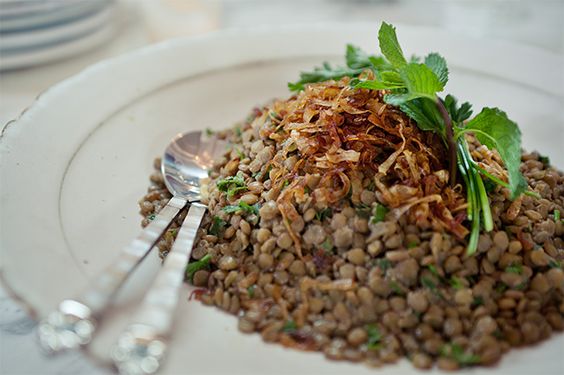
(327, 245)
(242, 207)
(478, 301)
(374, 337)
(384, 264)
(363, 210)
(324, 213)
(238, 131)
(554, 264)
(209, 132)
(379, 213)
(218, 225)
(232, 185)
(500, 287)
(455, 351)
(194, 267)
(456, 283)
(556, 215)
(151, 217)
(240, 153)
(290, 327)
(412, 244)
(514, 268)
(251, 291)
(429, 284)
(396, 288)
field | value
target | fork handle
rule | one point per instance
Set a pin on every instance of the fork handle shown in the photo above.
(105, 285)
(151, 326)
(73, 323)
(160, 301)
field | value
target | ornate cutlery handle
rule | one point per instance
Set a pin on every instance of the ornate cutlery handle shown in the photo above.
(141, 346)
(74, 322)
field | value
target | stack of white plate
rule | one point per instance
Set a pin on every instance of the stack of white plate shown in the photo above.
(34, 32)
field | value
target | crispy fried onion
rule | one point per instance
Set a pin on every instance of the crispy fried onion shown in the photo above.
(352, 139)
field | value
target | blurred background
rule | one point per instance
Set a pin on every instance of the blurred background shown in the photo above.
(45, 41)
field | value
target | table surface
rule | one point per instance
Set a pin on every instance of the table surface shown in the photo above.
(142, 22)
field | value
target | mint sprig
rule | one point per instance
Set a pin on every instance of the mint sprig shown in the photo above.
(414, 88)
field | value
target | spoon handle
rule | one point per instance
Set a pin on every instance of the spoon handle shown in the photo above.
(152, 323)
(73, 323)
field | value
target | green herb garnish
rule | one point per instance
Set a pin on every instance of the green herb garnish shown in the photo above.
(251, 291)
(151, 217)
(290, 327)
(412, 244)
(218, 224)
(363, 210)
(456, 283)
(378, 213)
(414, 88)
(240, 153)
(500, 287)
(242, 207)
(238, 131)
(209, 132)
(396, 288)
(514, 268)
(232, 185)
(455, 351)
(545, 160)
(554, 264)
(556, 216)
(374, 337)
(384, 264)
(434, 271)
(478, 301)
(324, 214)
(327, 245)
(194, 267)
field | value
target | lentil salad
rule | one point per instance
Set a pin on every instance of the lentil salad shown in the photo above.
(333, 227)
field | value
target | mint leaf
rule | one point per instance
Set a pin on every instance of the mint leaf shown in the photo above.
(438, 65)
(494, 130)
(377, 85)
(356, 58)
(425, 113)
(420, 82)
(379, 63)
(325, 72)
(457, 114)
(389, 45)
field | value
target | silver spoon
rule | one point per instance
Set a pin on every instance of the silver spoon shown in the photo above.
(185, 164)
(141, 347)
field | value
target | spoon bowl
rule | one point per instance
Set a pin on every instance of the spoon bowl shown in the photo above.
(187, 160)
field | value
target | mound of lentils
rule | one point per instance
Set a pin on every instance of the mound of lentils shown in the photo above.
(369, 289)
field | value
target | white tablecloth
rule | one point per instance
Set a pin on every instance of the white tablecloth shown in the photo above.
(141, 22)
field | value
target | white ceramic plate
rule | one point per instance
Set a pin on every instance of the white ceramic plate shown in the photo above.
(46, 54)
(76, 162)
(25, 41)
(26, 14)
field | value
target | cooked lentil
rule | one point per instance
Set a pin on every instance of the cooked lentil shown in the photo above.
(366, 290)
